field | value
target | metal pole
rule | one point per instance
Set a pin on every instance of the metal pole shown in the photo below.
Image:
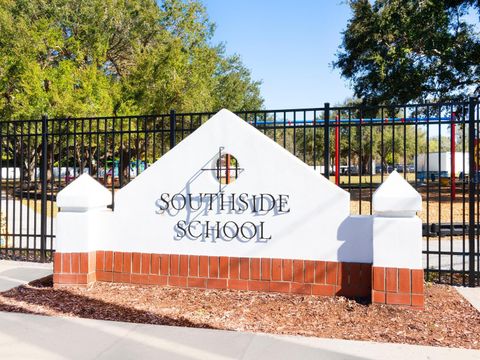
(173, 123)
(471, 191)
(337, 151)
(227, 169)
(43, 179)
(452, 157)
(326, 159)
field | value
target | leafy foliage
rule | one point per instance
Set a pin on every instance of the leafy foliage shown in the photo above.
(396, 51)
(70, 58)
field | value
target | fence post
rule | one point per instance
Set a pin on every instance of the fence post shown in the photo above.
(326, 159)
(397, 243)
(43, 180)
(82, 224)
(472, 177)
(173, 125)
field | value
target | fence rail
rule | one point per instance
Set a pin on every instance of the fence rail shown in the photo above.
(434, 146)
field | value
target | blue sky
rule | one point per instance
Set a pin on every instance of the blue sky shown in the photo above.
(289, 45)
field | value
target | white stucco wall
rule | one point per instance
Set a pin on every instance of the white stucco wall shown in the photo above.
(313, 221)
(310, 230)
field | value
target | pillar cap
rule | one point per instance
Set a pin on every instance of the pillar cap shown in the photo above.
(84, 193)
(396, 196)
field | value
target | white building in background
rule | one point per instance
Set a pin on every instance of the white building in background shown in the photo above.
(442, 163)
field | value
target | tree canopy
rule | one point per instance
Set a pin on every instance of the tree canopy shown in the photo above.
(69, 58)
(397, 51)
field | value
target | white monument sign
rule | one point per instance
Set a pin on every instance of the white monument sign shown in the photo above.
(230, 208)
(276, 206)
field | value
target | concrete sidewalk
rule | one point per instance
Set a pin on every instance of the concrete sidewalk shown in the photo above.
(471, 294)
(16, 273)
(24, 336)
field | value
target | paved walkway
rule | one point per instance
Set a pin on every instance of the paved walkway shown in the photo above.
(15, 273)
(40, 337)
(471, 294)
(27, 336)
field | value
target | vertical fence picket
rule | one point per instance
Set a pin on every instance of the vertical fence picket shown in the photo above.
(43, 179)
(471, 191)
(326, 147)
(173, 122)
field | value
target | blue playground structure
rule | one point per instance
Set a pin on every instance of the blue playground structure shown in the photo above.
(410, 120)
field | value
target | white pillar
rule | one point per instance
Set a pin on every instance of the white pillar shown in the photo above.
(80, 226)
(397, 243)
(80, 204)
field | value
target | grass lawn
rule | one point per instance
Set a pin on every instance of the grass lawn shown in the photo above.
(365, 179)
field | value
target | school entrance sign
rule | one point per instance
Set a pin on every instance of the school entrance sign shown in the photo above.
(230, 208)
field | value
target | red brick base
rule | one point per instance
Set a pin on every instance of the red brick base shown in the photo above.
(398, 287)
(74, 268)
(215, 272)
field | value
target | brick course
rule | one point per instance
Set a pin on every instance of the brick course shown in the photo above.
(76, 268)
(214, 272)
(395, 286)
(391, 286)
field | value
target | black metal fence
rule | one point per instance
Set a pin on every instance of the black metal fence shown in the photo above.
(434, 146)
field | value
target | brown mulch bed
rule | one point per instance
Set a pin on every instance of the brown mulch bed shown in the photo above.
(448, 319)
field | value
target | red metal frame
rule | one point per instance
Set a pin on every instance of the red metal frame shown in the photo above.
(337, 151)
(453, 187)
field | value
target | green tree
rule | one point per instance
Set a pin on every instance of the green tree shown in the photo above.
(396, 51)
(234, 87)
(70, 58)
